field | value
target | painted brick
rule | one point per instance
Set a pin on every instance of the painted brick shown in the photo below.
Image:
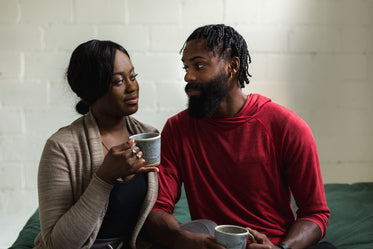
(351, 66)
(30, 144)
(46, 11)
(17, 93)
(346, 172)
(100, 11)
(358, 94)
(163, 66)
(345, 148)
(168, 38)
(343, 124)
(131, 37)
(147, 95)
(267, 40)
(21, 203)
(60, 94)
(13, 222)
(9, 11)
(11, 120)
(194, 12)
(14, 179)
(258, 66)
(10, 65)
(289, 67)
(153, 12)
(30, 171)
(288, 12)
(345, 12)
(20, 37)
(357, 39)
(314, 39)
(340, 66)
(156, 119)
(53, 119)
(68, 37)
(370, 66)
(46, 65)
(237, 13)
(171, 95)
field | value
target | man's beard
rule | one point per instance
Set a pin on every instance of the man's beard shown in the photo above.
(212, 93)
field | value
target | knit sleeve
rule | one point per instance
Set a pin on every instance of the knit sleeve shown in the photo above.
(169, 175)
(67, 222)
(303, 174)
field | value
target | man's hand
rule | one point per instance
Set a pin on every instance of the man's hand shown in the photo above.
(187, 240)
(262, 241)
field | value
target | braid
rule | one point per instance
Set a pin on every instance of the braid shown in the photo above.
(225, 41)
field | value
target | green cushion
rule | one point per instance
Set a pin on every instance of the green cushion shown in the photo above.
(181, 211)
(27, 235)
(351, 217)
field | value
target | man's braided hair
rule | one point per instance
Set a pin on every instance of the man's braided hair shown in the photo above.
(227, 42)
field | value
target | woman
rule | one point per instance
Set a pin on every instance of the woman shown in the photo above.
(93, 187)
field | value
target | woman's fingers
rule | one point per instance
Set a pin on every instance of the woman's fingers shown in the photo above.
(124, 146)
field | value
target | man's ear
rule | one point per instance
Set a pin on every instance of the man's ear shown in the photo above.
(233, 66)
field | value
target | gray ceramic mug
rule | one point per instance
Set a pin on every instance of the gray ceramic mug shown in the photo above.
(232, 237)
(150, 145)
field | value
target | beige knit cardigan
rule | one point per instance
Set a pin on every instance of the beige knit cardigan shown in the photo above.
(72, 199)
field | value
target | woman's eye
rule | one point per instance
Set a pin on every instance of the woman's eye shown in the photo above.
(117, 82)
(133, 76)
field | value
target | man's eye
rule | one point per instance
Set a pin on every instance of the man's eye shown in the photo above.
(185, 68)
(199, 66)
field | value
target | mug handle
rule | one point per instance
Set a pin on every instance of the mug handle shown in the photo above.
(251, 237)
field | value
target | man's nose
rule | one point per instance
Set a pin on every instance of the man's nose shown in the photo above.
(190, 76)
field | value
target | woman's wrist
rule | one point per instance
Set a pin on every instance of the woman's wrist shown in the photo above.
(100, 174)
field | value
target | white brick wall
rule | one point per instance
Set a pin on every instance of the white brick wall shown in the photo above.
(314, 57)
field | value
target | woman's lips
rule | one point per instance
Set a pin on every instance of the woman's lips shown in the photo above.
(132, 101)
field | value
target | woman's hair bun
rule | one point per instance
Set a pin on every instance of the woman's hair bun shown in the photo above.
(82, 107)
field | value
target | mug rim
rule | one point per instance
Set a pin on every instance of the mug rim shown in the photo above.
(157, 136)
(240, 227)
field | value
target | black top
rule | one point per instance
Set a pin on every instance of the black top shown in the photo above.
(124, 206)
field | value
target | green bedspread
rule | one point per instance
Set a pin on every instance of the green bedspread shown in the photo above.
(350, 223)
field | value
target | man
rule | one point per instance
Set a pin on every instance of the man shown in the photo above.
(241, 158)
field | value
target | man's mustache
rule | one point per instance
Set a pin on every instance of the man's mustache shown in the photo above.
(195, 86)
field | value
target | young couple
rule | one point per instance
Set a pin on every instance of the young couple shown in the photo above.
(240, 157)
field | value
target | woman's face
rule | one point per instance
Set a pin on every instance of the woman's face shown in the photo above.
(122, 97)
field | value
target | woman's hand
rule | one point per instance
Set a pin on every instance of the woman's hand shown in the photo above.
(121, 161)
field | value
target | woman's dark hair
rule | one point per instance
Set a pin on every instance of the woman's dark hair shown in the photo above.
(90, 70)
(227, 42)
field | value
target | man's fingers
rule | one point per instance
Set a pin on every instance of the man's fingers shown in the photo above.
(147, 169)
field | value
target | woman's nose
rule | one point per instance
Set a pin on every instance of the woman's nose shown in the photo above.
(131, 86)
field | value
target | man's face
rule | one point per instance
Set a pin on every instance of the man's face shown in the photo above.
(207, 81)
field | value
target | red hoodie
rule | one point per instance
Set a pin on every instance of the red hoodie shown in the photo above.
(243, 170)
